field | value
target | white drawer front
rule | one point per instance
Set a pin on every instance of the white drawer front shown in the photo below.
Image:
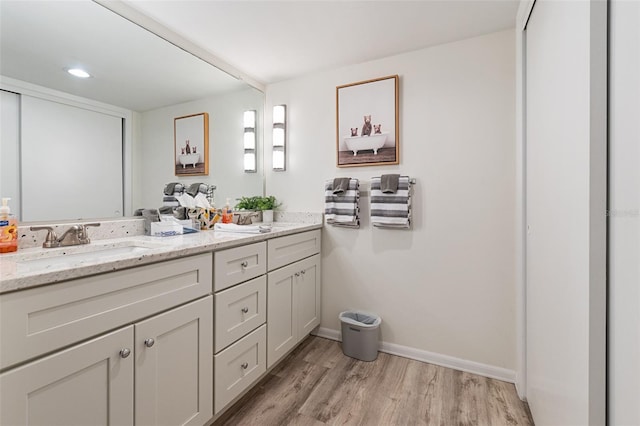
(285, 250)
(239, 264)
(239, 310)
(40, 320)
(238, 367)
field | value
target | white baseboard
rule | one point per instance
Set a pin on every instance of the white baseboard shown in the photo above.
(432, 358)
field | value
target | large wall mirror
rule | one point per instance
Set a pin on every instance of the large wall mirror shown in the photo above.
(103, 146)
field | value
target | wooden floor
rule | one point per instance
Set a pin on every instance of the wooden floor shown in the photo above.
(318, 385)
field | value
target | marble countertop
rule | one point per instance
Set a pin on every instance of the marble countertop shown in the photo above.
(29, 267)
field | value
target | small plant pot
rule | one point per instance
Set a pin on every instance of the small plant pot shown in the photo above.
(267, 216)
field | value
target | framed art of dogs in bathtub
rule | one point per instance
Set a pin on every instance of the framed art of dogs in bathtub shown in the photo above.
(191, 145)
(367, 123)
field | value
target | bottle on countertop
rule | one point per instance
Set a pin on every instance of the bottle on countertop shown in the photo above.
(8, 229)
(227, 213)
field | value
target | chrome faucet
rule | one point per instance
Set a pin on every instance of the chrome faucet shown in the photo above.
(74, 236)
(245, 219)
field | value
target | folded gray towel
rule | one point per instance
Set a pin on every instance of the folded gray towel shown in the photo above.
(170, 188)
(149, 215)
(165, 210)
(389, 183)
(180, 213)
(340, 185)
(194, 188)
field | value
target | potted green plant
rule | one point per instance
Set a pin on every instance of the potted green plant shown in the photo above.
(248, 203)
(258, 203)
(267, 205)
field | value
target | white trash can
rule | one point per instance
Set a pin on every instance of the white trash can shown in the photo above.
(360, 335)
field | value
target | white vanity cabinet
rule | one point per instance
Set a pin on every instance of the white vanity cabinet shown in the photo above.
(56, 371)
(174, 342)
(293, 292)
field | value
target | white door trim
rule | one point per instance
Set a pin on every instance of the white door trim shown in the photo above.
(524, 11)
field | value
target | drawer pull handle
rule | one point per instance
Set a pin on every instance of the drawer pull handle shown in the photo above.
(125, 352)
(244, 264)
(245, 310)
(149, 342)
(244, 365)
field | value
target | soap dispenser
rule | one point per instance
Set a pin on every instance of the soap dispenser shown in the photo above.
(8, 229)
(227, 213)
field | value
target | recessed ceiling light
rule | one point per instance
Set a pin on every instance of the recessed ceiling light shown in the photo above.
(79, 73)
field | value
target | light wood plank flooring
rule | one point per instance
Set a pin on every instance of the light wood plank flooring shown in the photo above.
(318, 385)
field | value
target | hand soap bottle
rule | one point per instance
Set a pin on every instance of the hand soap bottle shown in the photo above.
(227, 213)
(8, 229)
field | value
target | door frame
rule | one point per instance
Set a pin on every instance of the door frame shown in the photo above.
(522, 17)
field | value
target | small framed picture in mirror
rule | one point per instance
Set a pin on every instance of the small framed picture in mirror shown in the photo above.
(191, 144)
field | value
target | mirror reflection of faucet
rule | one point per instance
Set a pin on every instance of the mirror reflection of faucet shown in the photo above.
(245, 218)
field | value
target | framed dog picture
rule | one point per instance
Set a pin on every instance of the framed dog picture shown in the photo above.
(191, 145)
(367, 123)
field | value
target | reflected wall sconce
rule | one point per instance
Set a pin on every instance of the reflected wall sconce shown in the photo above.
(250, 141)
(279, 137)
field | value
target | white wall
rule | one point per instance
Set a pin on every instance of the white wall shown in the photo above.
(624, 217)
(446, 286)
(155, 154)
(566, 201)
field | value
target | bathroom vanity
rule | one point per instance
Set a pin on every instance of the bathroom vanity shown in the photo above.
(167, 330)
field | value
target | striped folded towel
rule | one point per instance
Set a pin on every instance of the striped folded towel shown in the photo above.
(170, 192)
(342, 209)
(391, 210)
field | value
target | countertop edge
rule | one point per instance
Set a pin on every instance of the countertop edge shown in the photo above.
(176, 247)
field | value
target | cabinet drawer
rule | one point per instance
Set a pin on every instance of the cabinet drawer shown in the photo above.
(285, 250)
(40, 320)
(239, 310)
(239, 264)
(238, 367)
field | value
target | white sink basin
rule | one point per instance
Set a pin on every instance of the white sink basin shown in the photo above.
(76, 255)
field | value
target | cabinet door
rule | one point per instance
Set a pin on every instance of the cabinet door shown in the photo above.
(308, 295)
(87, 384)
(281, 315)
(174, 368)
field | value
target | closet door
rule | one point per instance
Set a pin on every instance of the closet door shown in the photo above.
(566, 202)
(69, 155)
(624, 218)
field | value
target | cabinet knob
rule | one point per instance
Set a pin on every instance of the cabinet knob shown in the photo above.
(245, 310)
(297, 274)
(244, 264)
(125, 352)
(303, 272)
(149, 342)
(244, 365)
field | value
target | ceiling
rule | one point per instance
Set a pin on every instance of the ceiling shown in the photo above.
(273, 41)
